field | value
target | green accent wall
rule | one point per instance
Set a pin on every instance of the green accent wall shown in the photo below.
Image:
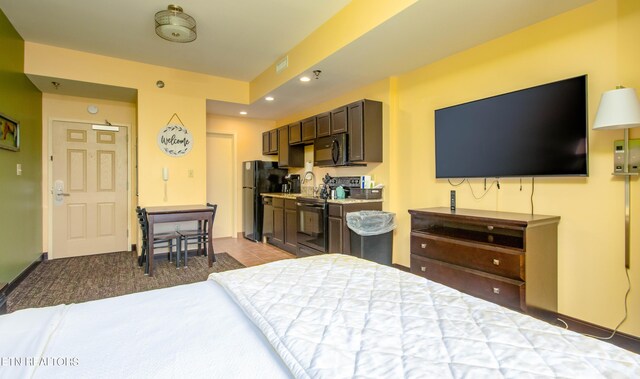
(20, 196)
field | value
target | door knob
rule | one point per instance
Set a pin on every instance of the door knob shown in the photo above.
(423, 245)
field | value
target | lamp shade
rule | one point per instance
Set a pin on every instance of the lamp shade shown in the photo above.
(619, 109)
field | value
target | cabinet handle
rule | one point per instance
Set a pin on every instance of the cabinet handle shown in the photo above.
(496, 262)
(423, 268)
(423, 245)
(490, 227)
(496, 290)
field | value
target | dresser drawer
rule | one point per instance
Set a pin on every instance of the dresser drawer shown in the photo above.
(506, 292)
(278, 202)
(472, 256)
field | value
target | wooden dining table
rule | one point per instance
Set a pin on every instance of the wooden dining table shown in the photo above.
(180, 213)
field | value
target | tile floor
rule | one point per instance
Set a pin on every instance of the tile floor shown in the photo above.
(249, 253)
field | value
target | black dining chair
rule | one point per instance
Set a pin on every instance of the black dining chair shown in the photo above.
(160, 240)
(199, 236)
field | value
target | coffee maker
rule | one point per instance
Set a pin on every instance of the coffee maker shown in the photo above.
(291, 183)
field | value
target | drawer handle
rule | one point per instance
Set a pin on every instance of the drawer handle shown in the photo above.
(423, 268)
(496, 290)
(490, 227)
(496, 262)
(423, 245)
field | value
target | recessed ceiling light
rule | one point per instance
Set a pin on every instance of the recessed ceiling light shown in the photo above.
(243, 113)
(304, 79)
(269, 98)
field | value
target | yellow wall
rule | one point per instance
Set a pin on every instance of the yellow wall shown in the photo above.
(185, 93)
(69, 108)
(589, 41)
(248, 141)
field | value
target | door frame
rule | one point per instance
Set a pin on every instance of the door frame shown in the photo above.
(234, 178)
(51, 121)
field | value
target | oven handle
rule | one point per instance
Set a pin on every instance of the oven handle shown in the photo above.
(319, 206)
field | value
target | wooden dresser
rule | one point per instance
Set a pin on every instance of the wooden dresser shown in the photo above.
(507, 258)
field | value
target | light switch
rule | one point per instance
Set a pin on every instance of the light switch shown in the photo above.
(18, 169)
(190, 173)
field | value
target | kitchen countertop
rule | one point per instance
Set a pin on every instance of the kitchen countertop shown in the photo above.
(294, 196)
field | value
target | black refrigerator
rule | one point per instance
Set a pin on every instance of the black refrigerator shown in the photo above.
(258, 177)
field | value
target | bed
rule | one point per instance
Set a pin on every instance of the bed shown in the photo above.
(329, 316)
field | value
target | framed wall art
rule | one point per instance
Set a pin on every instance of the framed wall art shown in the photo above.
(9, 133)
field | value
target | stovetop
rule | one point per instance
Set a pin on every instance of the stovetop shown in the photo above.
(345, 181)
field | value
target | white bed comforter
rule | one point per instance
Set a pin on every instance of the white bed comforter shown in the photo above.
(335, 316)
(189, 331)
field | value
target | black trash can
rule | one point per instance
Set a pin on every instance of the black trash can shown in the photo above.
(372, 235)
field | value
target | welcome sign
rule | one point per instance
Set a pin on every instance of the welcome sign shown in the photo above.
(175, 140)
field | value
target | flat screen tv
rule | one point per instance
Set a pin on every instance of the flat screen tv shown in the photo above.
(538, 131)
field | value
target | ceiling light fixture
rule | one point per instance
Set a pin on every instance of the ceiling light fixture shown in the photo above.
(304, 79)
(269, 98)
(174, 25)
(317, 73)
(243, 113)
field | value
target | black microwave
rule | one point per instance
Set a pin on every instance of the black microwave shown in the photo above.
(331, 150)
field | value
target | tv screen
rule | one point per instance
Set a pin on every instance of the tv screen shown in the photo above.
(539, 131)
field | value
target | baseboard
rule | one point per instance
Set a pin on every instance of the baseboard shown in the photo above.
(3, 299)
(401, 267)
(623, 340)
(15, 282)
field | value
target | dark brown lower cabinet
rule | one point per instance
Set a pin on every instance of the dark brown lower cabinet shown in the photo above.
(278, 222)
(290, 225)
(339, 232)
(284, 225)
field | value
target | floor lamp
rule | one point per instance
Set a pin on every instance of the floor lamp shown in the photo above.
(620, 109)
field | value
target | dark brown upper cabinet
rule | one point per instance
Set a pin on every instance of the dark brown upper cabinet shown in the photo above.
(323, 124)
(265, 143)
(308, 129)
(295, 133)
(364, 128)
(289, 155)
(270, 142)
(339, 120)
(273, 141)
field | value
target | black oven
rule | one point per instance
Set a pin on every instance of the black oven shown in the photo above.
(312, 235)
(331, 150)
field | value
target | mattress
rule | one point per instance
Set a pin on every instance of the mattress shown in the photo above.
(193, 331)
(336, 316)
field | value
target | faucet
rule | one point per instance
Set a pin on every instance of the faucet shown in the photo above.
(313, 177)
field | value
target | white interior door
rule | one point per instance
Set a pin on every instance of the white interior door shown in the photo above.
(89, 190)
(220, 182)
